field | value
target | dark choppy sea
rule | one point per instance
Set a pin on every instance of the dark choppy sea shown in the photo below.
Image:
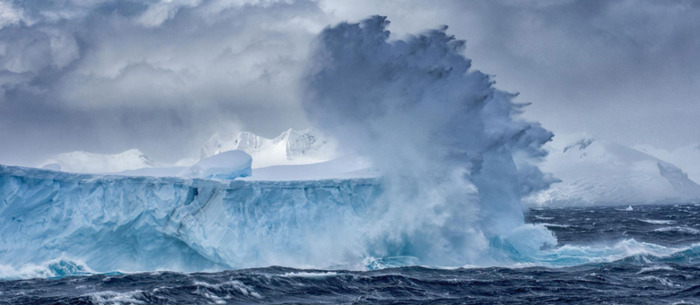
(637, 278)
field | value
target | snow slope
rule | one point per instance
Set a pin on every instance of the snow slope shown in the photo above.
(347, 167)
(226, 165)
(290, 147)
(685, 157)
(85, 162)
(597, 172)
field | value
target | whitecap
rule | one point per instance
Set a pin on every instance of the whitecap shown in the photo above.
(309, 274)
(568, 255)
(543, 217)
(113, 297)
(679, 229)
(655, 268)
(554, 225)
(59, 267)
(243, 288)
(662, 281)
(657, 221)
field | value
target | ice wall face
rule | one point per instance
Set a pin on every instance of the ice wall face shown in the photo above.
(454, 154)
(141, 223)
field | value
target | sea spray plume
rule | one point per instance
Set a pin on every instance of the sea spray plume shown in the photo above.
(453, 153)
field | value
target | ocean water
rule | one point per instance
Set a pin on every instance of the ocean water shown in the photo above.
(655, 259)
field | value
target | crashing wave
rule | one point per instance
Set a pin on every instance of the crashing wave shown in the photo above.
(454, 155)
(53, 268)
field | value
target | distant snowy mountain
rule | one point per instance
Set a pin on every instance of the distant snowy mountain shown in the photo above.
(686, 157)
(595, 171)
(227, 165)
(85, 162)
(291, 147)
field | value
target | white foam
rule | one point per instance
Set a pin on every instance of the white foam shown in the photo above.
(554, 225)
(655, 268)
(681, 229)
(656, 221)
(569, 255)
(661, 280)
(243, 288)
(58, 267)
(454, 157)
(116, 298)
(310, 274)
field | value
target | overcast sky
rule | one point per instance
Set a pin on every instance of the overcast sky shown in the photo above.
(162, 76)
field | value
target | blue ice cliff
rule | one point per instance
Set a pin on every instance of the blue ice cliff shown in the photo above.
(144, 223)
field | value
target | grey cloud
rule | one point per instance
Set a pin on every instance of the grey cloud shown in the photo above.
(106, 76)
(621, 69)
(624, 70)
(111, 76)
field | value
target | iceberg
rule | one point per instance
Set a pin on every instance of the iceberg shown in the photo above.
(121, 223)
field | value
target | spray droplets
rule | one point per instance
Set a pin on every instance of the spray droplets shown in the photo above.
(454, 156)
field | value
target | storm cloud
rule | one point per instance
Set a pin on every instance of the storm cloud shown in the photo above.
(161, 76)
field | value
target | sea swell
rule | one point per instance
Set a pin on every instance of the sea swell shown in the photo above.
(630, 281)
